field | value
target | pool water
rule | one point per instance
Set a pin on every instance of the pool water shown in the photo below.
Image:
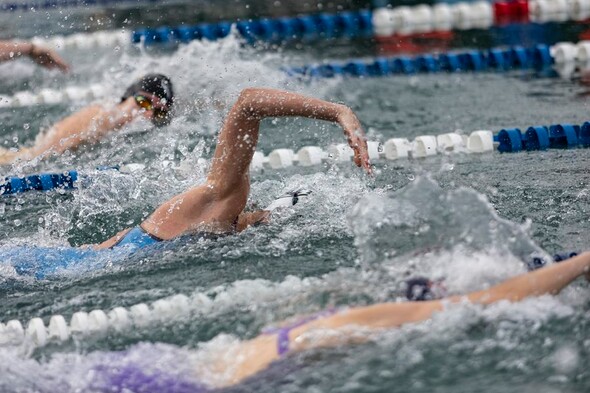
(468, 219)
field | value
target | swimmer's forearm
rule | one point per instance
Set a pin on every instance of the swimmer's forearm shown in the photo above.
(262, 102)
(258, 103)
(548, 280)
(12, 50)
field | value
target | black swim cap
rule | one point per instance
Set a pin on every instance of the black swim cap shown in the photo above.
(422, 289)
(158, 85)
(418, 289)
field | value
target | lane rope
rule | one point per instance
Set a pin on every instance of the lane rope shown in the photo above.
(507, 140)
(53, 96)
(380, 23)
(99, 322)
(564, 55)
(55, 181)
(567, 57)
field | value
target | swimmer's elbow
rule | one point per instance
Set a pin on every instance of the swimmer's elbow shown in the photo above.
(247, 101)
(248, 94)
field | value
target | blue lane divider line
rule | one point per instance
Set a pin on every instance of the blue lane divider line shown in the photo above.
(427, 63)
(537, 138)
(584, 138)
(472, 61)
(537, 57)
(497, 59)
(563, 136)
(181, 33)
(557, 136)
(403, 65)
(327, 24)
(541, 56)
(47, 182)
(42, 182)
(510, 140)
(349, 24)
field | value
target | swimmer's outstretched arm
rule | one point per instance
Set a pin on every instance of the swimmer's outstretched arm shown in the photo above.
(88, 125)
(42, 56)
(547, 280)
(223, 197)
(262, 350)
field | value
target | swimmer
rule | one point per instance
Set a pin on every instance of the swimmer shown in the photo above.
(340, 327)
(217, 206)
(42, 56)
(150, 97)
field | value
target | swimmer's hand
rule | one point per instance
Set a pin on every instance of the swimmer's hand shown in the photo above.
(355, 137)
(47, 58)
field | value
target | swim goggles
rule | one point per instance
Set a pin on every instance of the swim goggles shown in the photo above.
(160, 116)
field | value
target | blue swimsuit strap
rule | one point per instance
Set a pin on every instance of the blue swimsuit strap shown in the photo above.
(138, 237)
(283, 332)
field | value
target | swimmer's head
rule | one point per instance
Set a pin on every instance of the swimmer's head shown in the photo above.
(422, 289)
(160, 87)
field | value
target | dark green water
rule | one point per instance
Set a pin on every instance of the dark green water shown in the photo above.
(470, 219)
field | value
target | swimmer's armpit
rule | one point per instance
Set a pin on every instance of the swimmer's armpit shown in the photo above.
(246, 220)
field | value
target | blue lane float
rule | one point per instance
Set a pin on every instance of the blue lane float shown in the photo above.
(537, 57)
(510, 140)
(584, 138)
(42, 182)
(347, 24)
(563, 136)
(53, 181)
(558, 136)
(536, 138)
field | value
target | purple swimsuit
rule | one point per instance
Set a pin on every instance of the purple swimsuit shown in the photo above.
(283, 332)
(133, 378)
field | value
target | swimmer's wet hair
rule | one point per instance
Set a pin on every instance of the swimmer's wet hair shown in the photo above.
(158, 85)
